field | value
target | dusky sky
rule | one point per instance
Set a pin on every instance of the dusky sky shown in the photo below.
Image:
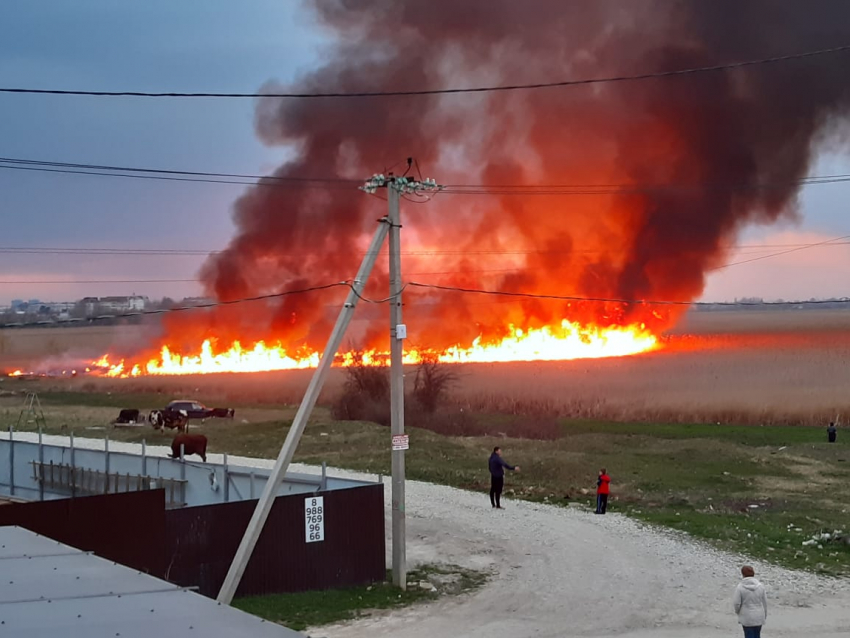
(219, 45)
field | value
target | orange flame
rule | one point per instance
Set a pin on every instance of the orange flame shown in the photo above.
(568, 341)
(16, 373)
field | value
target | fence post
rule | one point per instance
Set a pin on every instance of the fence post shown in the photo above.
(251, 485)
(11, 460)
(182, 466)
(144, 458)
(106, 464)
(73, 463)
(226, 480)
(324, 485)
(40, 466)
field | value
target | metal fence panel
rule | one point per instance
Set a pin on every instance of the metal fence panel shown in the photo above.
(125, 528)
(201, 543)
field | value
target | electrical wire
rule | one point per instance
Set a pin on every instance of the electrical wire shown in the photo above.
(827, 242)
(137, 169)
(796, 247)
(98, 281)
(261, 182)
(332, 182)
(653, 302)
(142, 252)
(387, 299)
(479, 89)
(525, 190)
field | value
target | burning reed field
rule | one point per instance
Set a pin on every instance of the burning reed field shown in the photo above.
(719, 433)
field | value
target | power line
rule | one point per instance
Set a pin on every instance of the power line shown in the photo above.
(479, 89)
(137, 169)
(654, 302)
(261, 182)
(827, 242)
(112, 251)
(794, 248)
(97, 281)
(331, 182)
(631, 189)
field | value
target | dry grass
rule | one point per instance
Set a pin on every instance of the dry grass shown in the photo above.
(775, 367)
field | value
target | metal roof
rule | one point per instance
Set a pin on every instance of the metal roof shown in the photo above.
(49, 589)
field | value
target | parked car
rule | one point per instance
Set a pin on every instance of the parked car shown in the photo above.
(196, 410)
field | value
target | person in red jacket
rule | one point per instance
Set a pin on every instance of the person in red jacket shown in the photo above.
(602, 490)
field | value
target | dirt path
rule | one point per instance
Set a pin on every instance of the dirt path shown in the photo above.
(565, 572)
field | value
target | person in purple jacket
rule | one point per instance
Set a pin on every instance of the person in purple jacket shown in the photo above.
(498, 465)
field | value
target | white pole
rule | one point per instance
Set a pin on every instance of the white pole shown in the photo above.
(396, 391)
(264, 505)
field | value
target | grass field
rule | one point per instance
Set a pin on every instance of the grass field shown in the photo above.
(693, 435)
(701, 479)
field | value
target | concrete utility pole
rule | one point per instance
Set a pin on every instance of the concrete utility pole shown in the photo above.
(396, 187)
(397, 334)
(264, 505)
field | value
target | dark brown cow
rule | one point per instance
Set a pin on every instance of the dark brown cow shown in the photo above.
(192, 444)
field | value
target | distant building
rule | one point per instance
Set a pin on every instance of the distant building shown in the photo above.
(106, 305)
(196, 301)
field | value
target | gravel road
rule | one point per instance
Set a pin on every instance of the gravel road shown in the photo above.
(560, 572)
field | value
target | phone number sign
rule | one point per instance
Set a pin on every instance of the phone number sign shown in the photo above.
(314, 518)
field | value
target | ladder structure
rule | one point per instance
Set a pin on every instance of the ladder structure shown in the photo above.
(31, 412)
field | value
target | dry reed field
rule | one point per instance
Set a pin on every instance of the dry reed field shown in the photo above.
(763, 367)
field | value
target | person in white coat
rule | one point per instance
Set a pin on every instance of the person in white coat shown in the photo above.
(750, 603)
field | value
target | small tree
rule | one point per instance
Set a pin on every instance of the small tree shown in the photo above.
(432, 382)
(366, 394)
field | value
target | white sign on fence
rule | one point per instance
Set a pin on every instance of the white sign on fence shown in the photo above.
(314, 518)
(401, 442)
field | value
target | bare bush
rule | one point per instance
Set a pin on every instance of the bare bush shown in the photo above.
(432, 383)
(365, 395)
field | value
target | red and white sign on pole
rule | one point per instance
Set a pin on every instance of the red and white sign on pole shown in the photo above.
(401, 442)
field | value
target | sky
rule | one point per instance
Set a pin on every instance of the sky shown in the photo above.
(221, 45)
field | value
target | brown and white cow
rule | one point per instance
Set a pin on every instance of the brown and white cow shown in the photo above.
(167, 419)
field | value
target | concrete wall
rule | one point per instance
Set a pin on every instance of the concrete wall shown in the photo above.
(205, 483)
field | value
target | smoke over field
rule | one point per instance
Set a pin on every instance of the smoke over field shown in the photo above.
(662, 173)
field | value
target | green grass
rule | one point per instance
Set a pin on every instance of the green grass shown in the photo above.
(768, 533)
(697, 478)
(140, 400)
(750, 435)
(315, 608)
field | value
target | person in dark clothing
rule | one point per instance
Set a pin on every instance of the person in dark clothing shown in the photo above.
(602, 490)
(498, 465)
(830, 433)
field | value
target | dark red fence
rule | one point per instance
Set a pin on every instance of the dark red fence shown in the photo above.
(194, 546)
(201, 543)
(127, 528)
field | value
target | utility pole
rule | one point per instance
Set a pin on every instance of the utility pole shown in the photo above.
(264, 505)
(397, 334)
(396, 187)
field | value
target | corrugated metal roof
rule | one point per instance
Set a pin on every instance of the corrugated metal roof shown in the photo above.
(48, 589)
